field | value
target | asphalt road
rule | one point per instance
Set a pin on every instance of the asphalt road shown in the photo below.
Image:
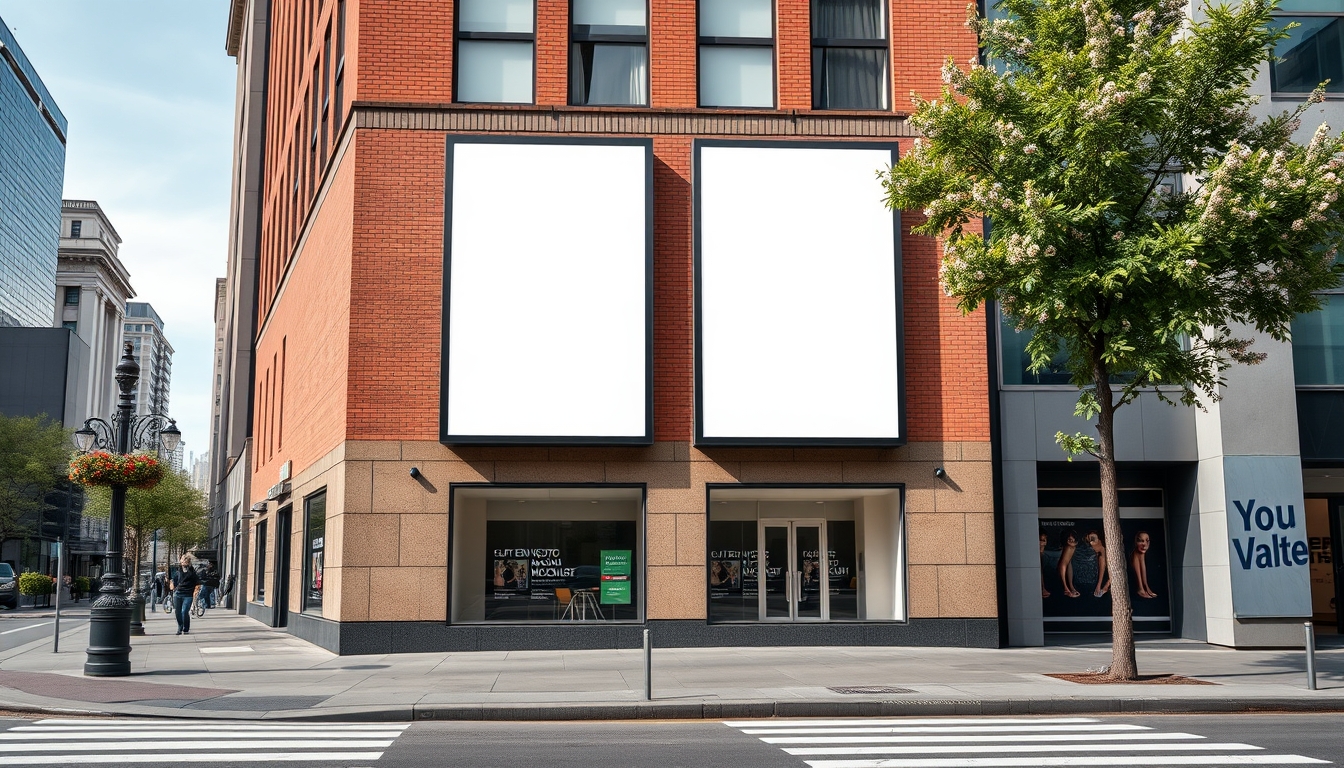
(21, 630)
(1146, 741)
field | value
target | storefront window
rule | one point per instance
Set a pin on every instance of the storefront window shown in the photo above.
(767, 555)
(260, 570)
(315, 508)
(545, 555)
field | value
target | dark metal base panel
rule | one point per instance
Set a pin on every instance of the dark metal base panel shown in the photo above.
(358, 638)
(260, 612)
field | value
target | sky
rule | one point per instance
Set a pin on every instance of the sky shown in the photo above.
(149, 93)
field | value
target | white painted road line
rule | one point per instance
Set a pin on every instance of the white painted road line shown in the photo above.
(84, 725)
(171, 735)
(228, 649)
(992, 743)
(1047, 762)
(25, 629)
(173, 757)
(992, 738)
(211, 744)
(933, 749)
(805, 723)
(957, 729)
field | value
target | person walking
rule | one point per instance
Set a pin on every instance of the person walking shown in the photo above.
(184, 590)
(210, 585)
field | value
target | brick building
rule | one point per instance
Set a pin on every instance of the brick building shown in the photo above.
(585, 315)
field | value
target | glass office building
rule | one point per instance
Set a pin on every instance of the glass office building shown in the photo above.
(32, 170)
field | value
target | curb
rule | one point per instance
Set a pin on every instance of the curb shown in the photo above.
(716, 710)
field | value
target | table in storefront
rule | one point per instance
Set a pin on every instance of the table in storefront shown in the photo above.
(580, 603)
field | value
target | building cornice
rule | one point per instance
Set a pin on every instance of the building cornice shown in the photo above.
(234, 36)
(110, 265)
(630, 121)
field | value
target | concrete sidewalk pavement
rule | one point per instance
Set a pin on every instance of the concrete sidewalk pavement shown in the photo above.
(233, 667)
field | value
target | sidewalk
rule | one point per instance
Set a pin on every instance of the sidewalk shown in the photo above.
(233, 667)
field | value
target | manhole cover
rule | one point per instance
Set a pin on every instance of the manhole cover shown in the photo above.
(870, 689)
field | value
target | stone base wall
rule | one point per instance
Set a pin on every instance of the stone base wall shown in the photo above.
(387, 533)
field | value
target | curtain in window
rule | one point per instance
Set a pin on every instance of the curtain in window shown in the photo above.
(610, 74)
(848, 19)
(849, 78)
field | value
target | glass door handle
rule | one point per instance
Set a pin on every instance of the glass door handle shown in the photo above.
(788, 586)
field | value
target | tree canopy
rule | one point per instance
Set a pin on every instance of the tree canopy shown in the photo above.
(172, 506)
(1139, 217)
(34, 451)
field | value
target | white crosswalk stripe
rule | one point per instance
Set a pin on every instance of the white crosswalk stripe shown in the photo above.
(1000, 743)
(93, 742)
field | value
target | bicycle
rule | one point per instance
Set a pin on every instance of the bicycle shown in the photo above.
(198, 607)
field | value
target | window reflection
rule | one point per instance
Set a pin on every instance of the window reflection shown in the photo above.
(1311, 53)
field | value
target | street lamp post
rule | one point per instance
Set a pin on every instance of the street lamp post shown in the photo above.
(109, 652)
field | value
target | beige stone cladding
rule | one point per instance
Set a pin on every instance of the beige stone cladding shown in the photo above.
(387, 532)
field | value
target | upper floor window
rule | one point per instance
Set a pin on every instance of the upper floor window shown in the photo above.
(76, 227)
(1318, 344)
(849, 54)
(737, 53)
(496, 45)
(609, 55)
(72, 293)
(1313, 51)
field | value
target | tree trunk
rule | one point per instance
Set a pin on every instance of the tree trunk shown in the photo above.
(1124, 664)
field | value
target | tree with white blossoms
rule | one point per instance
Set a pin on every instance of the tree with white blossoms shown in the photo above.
(1071, 147)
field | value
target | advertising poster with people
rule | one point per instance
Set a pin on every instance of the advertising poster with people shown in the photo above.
(1076, 584)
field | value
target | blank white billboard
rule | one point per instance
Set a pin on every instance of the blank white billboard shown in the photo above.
(547, 335)
(798, 296)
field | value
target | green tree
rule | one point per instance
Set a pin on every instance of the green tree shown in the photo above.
(1070, 147)
(171, 506)
(34, 454)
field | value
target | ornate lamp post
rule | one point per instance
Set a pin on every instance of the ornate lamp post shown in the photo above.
(109, 652)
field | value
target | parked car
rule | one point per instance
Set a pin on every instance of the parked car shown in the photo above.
(9, 587)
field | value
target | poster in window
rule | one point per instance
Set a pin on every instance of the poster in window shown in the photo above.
(512, 574)
(1076, 585)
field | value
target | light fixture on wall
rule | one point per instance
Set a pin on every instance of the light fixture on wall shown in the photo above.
(415, 473)
(939, 473)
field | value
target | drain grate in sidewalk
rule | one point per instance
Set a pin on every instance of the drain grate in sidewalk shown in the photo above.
(868, 689)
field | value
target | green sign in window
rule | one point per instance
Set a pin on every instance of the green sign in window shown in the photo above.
(616, 565)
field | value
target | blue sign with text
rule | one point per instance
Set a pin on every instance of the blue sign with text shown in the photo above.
(1267, 537)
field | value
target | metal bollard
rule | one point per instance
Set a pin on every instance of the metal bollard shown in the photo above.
(1311, 656)
(648, 667)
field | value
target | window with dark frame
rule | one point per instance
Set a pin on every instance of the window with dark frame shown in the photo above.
(259, 588)
(326, 92)
(76, 227)
(339, 104)
(849, 54)
(72, 296)
(1313, 51)
(736, 53)
(313, 123)
(71, 325)
(315, 515)
(496, 50)
(609, 53)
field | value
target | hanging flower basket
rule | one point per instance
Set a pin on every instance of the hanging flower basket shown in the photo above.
(102, 468)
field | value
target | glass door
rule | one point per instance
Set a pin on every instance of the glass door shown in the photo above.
(793, 565)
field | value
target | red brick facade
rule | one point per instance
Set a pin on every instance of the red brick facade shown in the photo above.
(350, 285)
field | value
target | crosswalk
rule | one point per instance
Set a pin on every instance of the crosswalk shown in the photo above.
(120, 741)
(1000, 742)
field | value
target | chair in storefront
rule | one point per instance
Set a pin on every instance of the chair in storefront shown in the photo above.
(563, 597)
